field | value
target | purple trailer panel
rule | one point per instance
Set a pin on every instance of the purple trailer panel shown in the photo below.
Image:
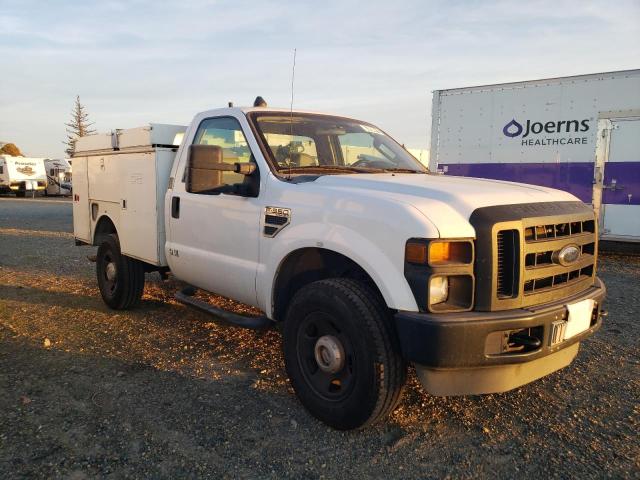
(574, 177)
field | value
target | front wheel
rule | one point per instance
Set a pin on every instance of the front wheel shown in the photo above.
(341, 353)
(120, 278)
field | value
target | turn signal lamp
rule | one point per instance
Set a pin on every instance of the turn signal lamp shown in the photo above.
(444, 253)
(439, 252)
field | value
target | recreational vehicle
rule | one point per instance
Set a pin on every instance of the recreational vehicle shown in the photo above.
(58, 176)
(20, 175)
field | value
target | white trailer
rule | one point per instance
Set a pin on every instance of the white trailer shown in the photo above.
(58, 176)
(20, 175)
(580, 134)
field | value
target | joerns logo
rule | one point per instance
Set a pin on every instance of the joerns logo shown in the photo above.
(514, 128)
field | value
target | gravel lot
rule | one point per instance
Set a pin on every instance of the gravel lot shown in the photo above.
(164, 392)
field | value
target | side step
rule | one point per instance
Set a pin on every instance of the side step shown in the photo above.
(255, 323)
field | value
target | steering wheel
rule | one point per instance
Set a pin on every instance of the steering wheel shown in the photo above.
(372, 162)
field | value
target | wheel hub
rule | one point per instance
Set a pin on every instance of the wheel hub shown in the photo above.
(329, 354)
(111, 271)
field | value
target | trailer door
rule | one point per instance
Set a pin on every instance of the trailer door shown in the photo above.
(619, 179)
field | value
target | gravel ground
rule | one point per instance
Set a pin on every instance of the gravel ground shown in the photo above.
(164, 392)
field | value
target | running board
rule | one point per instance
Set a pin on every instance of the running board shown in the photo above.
(255, 323)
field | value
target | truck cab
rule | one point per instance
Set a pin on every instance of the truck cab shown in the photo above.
(364, 259)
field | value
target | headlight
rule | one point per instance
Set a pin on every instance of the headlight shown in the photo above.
(440, 273)
(438, 290)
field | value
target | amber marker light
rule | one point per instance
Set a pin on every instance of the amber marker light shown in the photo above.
(416, 253)
(442, 253)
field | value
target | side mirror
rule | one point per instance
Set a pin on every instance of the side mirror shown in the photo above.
(205, 167)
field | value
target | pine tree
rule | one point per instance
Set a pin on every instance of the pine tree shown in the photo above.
(79, 126)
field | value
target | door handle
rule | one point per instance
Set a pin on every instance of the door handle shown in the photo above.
(175, 207)
(613, 186)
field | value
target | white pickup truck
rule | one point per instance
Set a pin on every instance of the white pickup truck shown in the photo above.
(366, 260)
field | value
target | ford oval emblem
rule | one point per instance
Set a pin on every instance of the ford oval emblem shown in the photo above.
(567, 255)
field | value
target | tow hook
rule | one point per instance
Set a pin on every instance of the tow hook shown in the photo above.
(521, 339)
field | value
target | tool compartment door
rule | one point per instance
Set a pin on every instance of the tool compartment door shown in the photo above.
(138, 208)
(81, 208)
(621, 183)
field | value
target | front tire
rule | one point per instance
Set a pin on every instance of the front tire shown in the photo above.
(341, 354)
(120, 278)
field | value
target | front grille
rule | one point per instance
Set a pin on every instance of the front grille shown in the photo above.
(542, 277)
(517, 261)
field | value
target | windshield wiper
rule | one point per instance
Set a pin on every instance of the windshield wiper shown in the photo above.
(335, 168)
(404, 170)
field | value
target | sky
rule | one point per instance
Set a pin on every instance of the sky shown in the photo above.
(136, 62)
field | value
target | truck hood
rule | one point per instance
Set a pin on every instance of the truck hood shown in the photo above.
(447, 201)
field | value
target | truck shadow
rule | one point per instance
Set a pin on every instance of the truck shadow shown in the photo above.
(67, 300)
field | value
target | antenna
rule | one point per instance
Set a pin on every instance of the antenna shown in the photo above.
(293, 78)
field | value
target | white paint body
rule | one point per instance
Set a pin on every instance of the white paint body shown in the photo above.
(219, 239)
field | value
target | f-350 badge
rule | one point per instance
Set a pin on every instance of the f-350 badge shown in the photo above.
(275, 219)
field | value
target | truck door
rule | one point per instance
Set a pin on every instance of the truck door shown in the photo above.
(212, 240)
(617, 178)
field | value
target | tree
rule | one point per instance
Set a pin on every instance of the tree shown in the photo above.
(79, 126)
(11, 149)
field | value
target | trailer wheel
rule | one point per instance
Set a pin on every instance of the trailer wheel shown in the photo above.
(120, 278)
(341, 354)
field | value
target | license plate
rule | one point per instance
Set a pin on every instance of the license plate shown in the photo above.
(579, 318)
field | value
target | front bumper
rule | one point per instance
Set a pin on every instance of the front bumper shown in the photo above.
(452, 355)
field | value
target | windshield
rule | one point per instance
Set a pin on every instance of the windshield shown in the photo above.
(320, 144)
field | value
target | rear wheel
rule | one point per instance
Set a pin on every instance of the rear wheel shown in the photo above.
(120, 278)
(341, 353)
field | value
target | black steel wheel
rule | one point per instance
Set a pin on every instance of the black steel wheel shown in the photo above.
(120, 278)
(326, 356)
(341, 353)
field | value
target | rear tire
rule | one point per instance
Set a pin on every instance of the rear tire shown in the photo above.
(120, 278)
(342, 355)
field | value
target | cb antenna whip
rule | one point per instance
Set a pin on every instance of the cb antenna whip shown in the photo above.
(293, 78)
